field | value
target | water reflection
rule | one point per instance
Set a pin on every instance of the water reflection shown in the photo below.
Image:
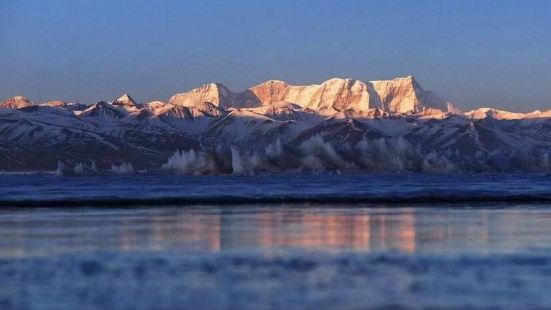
(268, 228)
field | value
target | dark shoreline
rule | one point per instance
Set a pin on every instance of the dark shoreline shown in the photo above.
(425, 200)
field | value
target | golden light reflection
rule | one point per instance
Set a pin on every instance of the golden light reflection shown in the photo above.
(313, 231)
(407, 230)
(267, 230)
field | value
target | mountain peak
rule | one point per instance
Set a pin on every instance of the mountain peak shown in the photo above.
(215, 93)
(126, 100)
(345, 81)
(54, 103)
(399, 95)
(404, 94)
(125, 97)
(16, 102)
(272, 82)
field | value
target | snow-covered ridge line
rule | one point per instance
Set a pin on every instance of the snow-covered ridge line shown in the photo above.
(341, 124)
(400, 95)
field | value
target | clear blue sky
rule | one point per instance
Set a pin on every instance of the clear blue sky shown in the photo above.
(474, 53)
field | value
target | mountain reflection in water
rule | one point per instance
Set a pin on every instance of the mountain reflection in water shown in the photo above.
(212, 229)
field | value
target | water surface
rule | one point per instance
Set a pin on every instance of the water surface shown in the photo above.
(137, 250)
(153, 189)
(434, 229)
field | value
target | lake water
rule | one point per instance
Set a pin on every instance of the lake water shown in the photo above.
(256, 243)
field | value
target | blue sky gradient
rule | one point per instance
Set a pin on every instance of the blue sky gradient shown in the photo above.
(474, 53)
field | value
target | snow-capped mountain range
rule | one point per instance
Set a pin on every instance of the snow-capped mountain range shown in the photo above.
(339, 125)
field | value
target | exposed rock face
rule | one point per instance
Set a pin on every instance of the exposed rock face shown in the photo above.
(17, 102)
(482, 113)
(125, 101)
(54, 103)
(214, 93)
(330, 97)
(401, 95)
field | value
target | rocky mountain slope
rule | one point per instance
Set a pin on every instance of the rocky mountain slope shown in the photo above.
(340, 124)
(400, 95)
